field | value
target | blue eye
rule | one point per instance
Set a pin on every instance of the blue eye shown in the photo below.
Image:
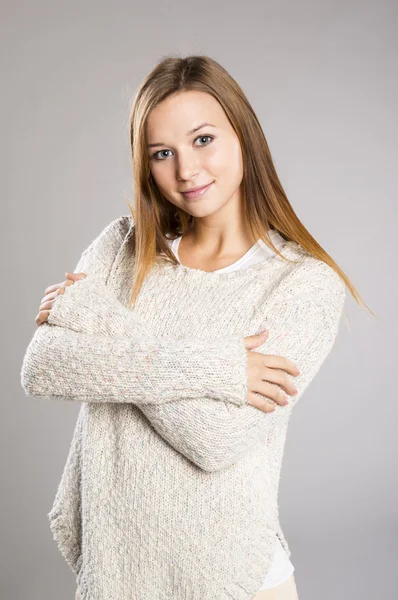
(204, 136)
(156, 157)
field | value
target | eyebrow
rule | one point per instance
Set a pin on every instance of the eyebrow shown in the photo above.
(191, 132)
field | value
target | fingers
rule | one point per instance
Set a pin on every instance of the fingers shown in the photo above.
(280, 362)
(267, 382)
(42, 317)
(46, 306)
(75, 276)
(51, 293)
(260, 402)
(272, 391)
(277, 377)
(253, 341)
(52, 288)
(70, 279)
(59, 290)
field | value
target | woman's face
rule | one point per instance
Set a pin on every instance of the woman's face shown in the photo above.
(180, 159)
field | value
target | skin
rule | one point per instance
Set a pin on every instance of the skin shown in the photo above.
(219, 237)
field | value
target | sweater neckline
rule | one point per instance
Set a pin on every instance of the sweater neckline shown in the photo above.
(259, 245)
(291, 250)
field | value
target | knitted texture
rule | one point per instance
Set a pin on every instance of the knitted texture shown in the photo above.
(170, 488)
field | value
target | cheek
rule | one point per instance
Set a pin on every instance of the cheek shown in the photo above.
(227, 160)
(161, 176)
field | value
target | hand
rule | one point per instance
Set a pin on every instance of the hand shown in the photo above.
(262, 374)
(51, 294)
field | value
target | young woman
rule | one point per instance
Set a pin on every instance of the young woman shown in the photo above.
(170, 490)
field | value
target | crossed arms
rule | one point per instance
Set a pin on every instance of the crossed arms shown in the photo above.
(193, 391)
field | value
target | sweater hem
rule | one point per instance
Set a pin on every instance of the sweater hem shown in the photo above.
(65, 538)
(243, 585)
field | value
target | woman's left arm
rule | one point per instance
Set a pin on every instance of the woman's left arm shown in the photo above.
(215, 435)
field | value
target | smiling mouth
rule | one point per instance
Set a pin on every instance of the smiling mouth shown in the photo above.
(198, 192)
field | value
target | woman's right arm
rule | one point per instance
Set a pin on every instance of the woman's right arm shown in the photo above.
(140, 370)
(62, 361)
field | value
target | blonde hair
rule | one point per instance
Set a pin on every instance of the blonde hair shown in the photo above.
(265, 202)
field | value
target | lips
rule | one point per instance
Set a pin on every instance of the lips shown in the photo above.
(195, 189)
(195, 193)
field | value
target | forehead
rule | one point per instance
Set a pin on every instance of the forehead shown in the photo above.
(178, 114)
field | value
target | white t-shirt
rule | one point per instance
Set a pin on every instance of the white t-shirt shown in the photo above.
(281, 567)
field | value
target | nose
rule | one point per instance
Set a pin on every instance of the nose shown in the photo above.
(187, 168)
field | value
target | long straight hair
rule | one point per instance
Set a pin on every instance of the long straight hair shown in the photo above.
(265, 204)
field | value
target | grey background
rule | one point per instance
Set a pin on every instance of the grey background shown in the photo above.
(322, 79)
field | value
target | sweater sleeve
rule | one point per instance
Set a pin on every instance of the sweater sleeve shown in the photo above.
(69, 358)
(96, 368)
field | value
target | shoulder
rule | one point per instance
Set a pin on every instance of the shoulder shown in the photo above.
(310, 278)
(99, 254)
(117, 229)
(109, 240)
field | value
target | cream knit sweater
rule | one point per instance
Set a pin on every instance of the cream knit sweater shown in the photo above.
(170, 488)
